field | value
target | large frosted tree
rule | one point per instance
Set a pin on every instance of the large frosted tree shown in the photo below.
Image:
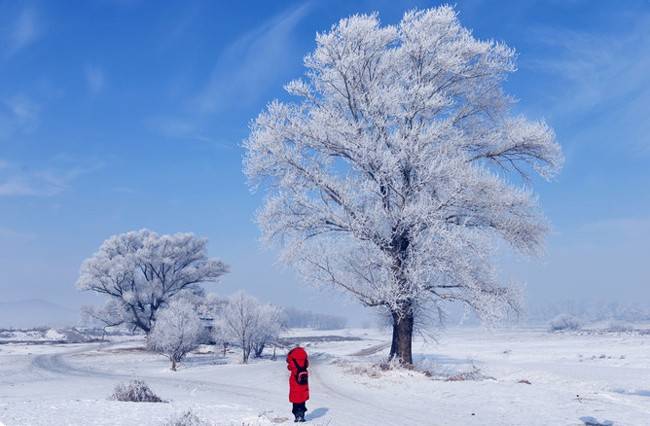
(400, 167)
(141, 271)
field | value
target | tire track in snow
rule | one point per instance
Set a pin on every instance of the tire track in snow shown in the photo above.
(371, 350)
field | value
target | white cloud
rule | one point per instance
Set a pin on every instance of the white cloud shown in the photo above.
(172, 127)
(24, 31)
(95, 79)
(16, 181)
(622, 227)
(18, 114)
(242, 72)
(603, 73)
(599, 66)
(185, 129)
(22, 108)
(251, 63)
(13, 235)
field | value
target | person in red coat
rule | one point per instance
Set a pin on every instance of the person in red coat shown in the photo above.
(297, 364)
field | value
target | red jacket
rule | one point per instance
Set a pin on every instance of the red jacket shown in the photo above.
(297, 393)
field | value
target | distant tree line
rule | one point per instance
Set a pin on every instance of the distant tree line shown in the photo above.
(590, 310)
(297, 318)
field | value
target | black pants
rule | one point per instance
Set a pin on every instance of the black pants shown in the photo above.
(299, 409)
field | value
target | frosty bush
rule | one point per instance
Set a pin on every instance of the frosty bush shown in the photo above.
(564, 322)
(187, 418)
(475, 374)
(134, 391)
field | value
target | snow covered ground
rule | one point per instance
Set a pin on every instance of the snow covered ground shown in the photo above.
(477, 377)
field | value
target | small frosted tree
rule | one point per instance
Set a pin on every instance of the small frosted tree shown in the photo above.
(220, 335)
(398, 169)
(247, 323)
(176, 331)
(239, 321)
(271, 322)
(141, 271)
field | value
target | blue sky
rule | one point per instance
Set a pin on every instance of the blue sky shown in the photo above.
(118, 115)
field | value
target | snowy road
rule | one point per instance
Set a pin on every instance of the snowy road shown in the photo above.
(348, 406)
(62, 369)
(59, 364)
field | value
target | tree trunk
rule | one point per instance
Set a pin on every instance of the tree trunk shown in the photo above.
(393, 344)
(401, 346)
(402, 313)
(258, 350)
(173, 364)
(246, 351)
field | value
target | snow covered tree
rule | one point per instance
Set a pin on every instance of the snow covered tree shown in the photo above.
(271, 322)
(247, 323)
(176, 331)
(400, 167)
(141, 271)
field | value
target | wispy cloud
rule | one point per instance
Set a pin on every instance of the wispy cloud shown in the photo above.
(172, 127)
(18, 114)
(187, 129)
(124, 190)
(57, 177)
(23, 31)
(622, 226)
(95, 78)
(242, 72)
(13, 235)
(251, 63)
(599, 66)
(598, 72)
(22, 108)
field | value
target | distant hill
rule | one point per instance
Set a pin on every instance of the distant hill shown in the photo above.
(34, 313)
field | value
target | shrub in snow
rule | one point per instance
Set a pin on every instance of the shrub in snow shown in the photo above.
(428, 366)
(139, 272)
(176, 331)
(475, 374)
(378, 370)
(187, 418)
(134, 391)
(564, 322)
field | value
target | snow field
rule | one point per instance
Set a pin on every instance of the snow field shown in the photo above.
(572, 376)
